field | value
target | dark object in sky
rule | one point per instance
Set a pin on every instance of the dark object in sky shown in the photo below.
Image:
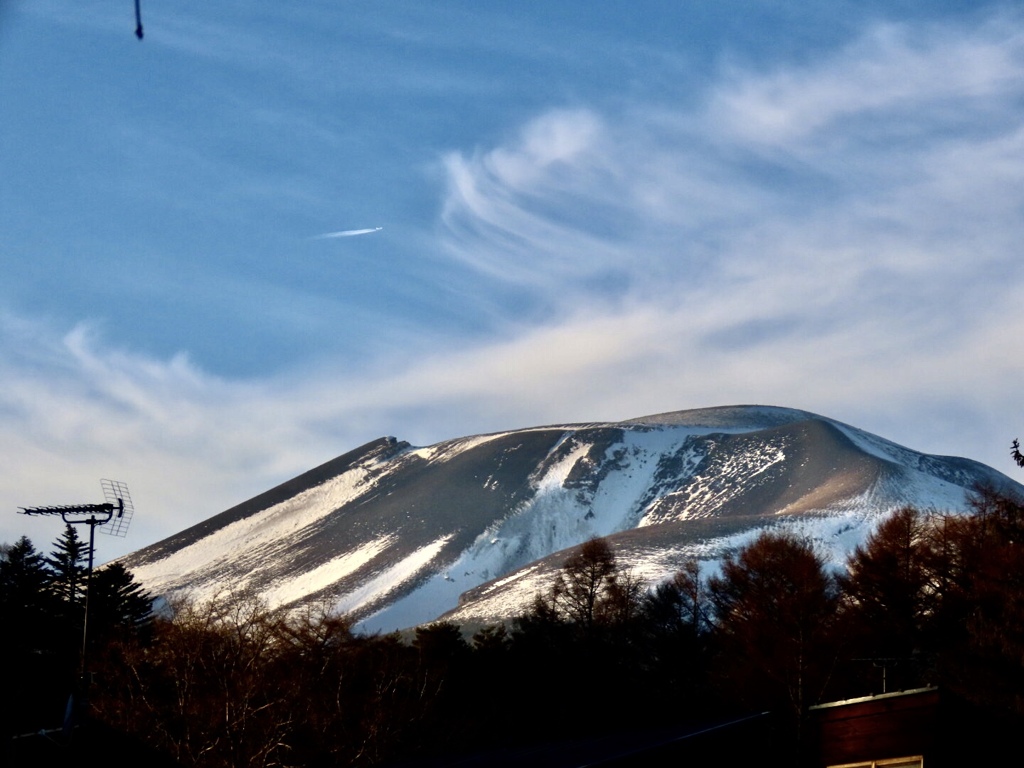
(1017, 455)
(138, 20)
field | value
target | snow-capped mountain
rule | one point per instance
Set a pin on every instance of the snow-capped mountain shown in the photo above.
(472, 528)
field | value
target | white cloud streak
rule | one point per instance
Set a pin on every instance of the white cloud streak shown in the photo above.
(347, 233)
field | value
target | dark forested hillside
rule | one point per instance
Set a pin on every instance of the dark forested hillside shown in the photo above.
(42, 616)
(928, 600)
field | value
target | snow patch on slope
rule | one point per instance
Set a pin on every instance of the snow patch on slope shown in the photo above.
(381, 585)
(255, 535)
(323, 576)
(557, 517)
(449, 449)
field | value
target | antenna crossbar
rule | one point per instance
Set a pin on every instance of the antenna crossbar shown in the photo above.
(74, 509)
(118, 508)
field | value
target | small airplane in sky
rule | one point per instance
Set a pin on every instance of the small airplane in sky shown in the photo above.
(348, 233)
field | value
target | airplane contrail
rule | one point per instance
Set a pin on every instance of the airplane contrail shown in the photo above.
(348, 233)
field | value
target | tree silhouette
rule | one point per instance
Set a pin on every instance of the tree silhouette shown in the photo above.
(118, 604)
(774, 608)
(680, 606)
(591, 589)
(23, 580)
(675, 628)
(67, 566)
(986, 667)
(888, 595)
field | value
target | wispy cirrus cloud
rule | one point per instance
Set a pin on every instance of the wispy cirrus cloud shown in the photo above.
(842, 232)
(895, 80)
(883, 165)
(840, 235)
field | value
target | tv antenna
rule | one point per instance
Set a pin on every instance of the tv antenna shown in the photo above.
(118, 508)
(112, 517)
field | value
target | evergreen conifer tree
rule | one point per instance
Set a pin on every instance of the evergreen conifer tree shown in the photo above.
(23, 575)
(67, 566)
(117, 602)
(24, 600)
(29, 639)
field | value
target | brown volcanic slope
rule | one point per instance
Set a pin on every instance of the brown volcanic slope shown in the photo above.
(397, 535)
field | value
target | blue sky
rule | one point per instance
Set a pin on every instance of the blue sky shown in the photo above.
(589, 211)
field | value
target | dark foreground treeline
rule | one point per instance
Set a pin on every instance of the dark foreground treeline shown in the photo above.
(930, 599)
(42, 610)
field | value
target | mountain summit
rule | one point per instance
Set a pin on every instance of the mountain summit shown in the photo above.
(472, 528)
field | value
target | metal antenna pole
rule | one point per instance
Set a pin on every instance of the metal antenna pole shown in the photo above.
(92, 522)
(883, 664)
(116, 510)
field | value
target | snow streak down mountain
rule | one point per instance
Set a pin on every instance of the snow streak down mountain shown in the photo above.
(472, 528)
